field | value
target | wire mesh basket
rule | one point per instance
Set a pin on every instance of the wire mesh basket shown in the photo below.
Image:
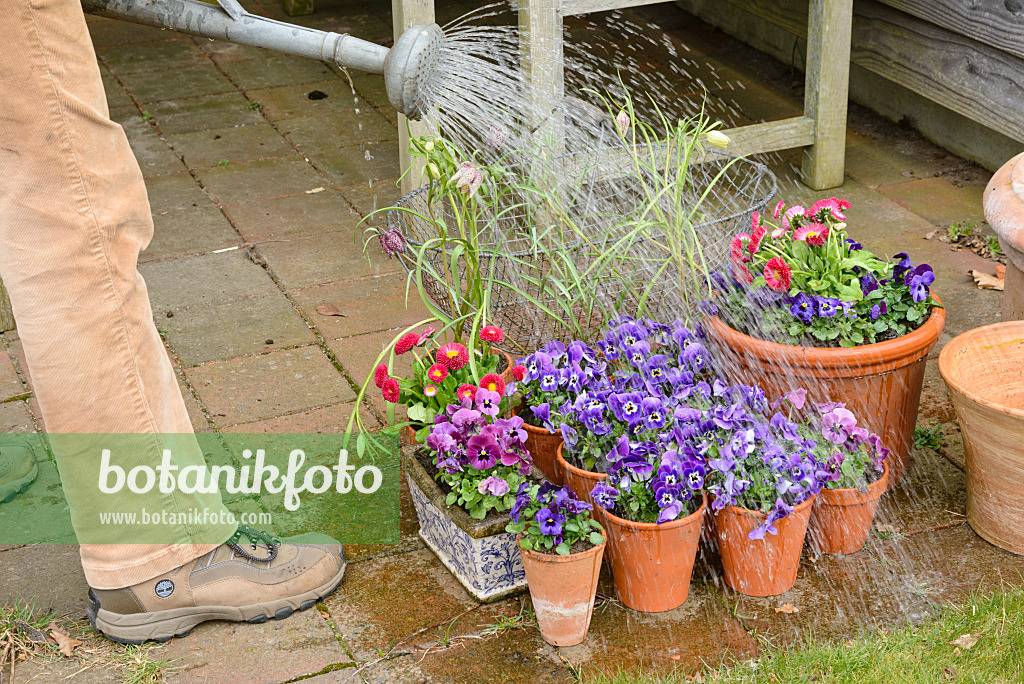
(526, 266)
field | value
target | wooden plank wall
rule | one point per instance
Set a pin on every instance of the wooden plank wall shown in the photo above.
(966, 56)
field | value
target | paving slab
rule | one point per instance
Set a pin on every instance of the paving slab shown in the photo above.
(204, 279)
(323, 99)
(368, 197)
(195, 410)
(48, 574)
(59, 668)
(370, 88)
(158, 55)
(317, 133)
(950, 267)
(295, 216)
(933, 495)
(371, 304)
(10, 382)
(110, 32)
(323, 258)
(271, 70)
(358, 355)
(276, 651)
(40, 513)
(895, 163)
(152, 152)
(254, 180)
(232, 144)
(254, 388)
(327, 419)
(205, 112)
(117, 96)
(360, 163)
(175, 191)
(15, 417)
(940, 201)
(242, 328)
(187, 232)
(203, 78)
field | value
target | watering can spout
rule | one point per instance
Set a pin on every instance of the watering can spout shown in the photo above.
(410, 68)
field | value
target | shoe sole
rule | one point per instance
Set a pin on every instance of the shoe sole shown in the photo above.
(13, 489)
(161, 626)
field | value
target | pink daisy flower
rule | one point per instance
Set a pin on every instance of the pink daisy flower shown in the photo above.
(452, 356)
(406, 342)
(791, 213)
(466, 391)
(778, 209)
(813, 234)
(741, 272)
(437, 372)
(390, 390)
(492, 333)
(493, 383)
(430, 390)
(737, 247)
(380, 375)
(755, 239)
(778, 274)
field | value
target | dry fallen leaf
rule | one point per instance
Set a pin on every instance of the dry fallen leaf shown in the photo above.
(986, 281)
(329, 310)
(698, 678)
(965, 642)
(65, 642)
(907, 174)
(787, 608)
(949, 674)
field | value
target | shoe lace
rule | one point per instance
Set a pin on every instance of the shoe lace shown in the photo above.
(253, 535)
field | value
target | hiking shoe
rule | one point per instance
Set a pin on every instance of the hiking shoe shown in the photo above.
(250, 578)
(18, 470)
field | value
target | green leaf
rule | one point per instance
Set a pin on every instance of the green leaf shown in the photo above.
(596, 539)
(451, 498)
(562, 549)
(417, 412)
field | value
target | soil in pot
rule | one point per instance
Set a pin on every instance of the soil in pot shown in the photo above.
(761, 567)
(651, 563)
(562, 589)
(841, 518)
(880, 383)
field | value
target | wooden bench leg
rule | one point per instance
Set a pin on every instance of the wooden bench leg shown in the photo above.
(6, 315)
(408, 13)
(827, 90)
(296, 8)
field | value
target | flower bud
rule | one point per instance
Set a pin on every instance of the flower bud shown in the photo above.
(718, 139)
(622, 122)
(429, 147)
(435, 173)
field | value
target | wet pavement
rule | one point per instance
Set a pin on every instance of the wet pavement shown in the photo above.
(276, 160)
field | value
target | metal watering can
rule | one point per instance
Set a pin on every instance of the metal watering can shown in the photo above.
(409, 68)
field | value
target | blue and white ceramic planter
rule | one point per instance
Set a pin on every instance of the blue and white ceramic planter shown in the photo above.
(482, 555)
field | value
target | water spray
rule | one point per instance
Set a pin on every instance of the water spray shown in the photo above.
(410, 68)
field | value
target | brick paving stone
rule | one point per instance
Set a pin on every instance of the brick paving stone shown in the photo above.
(201, 113)
(116, 95)
(322, 258)
(48, 574)
(883, 165)
(185, 232)
(254, 180)
(195, 411)
(10, 383)
(226, 331)
(39, 514)
(295, 216)
(276, 651)
(175, 191)
(370, 304)
(274, 70)
(205, 279)
(15, 417)
(292, 101)
(258, 387)
(313, 134)
(232, 144)
(149, 87)
(155, 56)
(939, 201)
(327, 419)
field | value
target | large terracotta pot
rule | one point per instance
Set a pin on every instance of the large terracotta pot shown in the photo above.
(543, 447)
(652, 563)
(984, 370)
(562, 589)
(579, 480)
(761, 567)
(880, 383)
(841, 518)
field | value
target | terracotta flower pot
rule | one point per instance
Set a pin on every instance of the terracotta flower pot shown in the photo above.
(562, 589)
(543, 447)
(841, 518)
(761, 567)
(579, 480)
(652, 563)
(880, 383)
(982, 369)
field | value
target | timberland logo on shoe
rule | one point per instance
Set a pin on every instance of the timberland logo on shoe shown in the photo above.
(248, 479)
(164, 588)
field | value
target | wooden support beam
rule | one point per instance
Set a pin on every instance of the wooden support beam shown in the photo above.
(827, 83)
(573, 7)
(770, 136)
(543, 65)
(409, 13)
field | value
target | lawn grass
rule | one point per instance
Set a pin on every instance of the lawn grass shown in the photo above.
(910, 655)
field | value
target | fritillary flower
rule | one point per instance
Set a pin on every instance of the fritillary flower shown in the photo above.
(493, 383)
(778, 274)
(380, 375)
(452, 356)
(497, 136)
(622, 122)
(467, 178)
(406, 342)
(390, 390)
(813, 234)
(492, 333)
(437, 372)
(718, 139)
(392, 242)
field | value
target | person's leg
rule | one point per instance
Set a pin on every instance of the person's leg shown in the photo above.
(74, 215)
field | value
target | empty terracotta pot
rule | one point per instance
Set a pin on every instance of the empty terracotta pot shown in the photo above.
(841, 518)
(881, 383)
(761, 567)
(562, 589)
(984, 370)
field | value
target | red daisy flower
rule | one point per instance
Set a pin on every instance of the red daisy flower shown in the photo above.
(813, 234)
(755, 221)
(406, 342)
(778, 209)
(390, 390)
(380, 375)
(452, 356)
(518, 373)
(755, 239)
(493, 382)
(466, 391)
(437, 372)
(492, 333)
(742, 273)
(778, 274)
